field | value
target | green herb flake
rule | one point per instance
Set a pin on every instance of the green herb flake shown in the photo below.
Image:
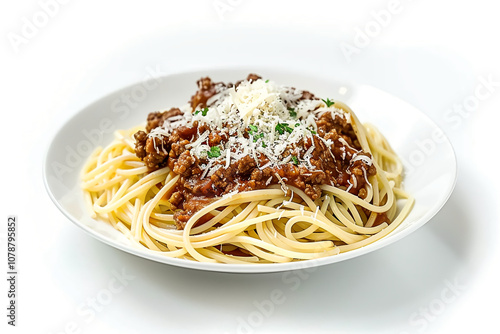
(282, 127)
(253, 132)
(279, 128)
(328, 102)
(292, 112)
(267, 80)
(295, 160)
(214, 152)
(264, 145)
(203, 111)
(313, 132)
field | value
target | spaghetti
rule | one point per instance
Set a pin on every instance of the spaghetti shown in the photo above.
(292, 177)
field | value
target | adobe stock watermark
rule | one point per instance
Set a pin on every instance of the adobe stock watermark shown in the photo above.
(264, 309)
(425, 148)
(420, 320)
(485, 89)
(222, 7)
(34, 23)
(93, 137)
(88, 309)
(365, 34)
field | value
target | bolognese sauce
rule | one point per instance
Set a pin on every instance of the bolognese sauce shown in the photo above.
(215, 153)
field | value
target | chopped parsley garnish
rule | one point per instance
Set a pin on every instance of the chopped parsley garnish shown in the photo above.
(297, 124)
(282, 127)
(313, 132)
(267, 80)
(328, 102)
(264, 145)
(295, 160)
(260, 135)
(279, 128)
(253, 129)
(203, 111)
(293, 113)
(253, 132)
(214, 152)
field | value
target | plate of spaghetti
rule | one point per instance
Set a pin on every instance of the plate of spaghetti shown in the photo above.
(228, 171)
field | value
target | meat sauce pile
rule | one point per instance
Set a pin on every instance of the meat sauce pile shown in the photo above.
(192, 192)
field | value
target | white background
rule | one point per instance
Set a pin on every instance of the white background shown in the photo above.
(432, 54)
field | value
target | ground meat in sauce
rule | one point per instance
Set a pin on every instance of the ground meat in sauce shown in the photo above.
(206, 89)
(192, 193)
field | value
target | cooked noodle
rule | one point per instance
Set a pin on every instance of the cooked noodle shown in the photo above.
(266, 225)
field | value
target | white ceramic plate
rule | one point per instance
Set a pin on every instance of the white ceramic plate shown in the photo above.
(428, 156)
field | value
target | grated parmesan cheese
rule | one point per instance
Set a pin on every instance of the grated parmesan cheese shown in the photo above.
(262, 105)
